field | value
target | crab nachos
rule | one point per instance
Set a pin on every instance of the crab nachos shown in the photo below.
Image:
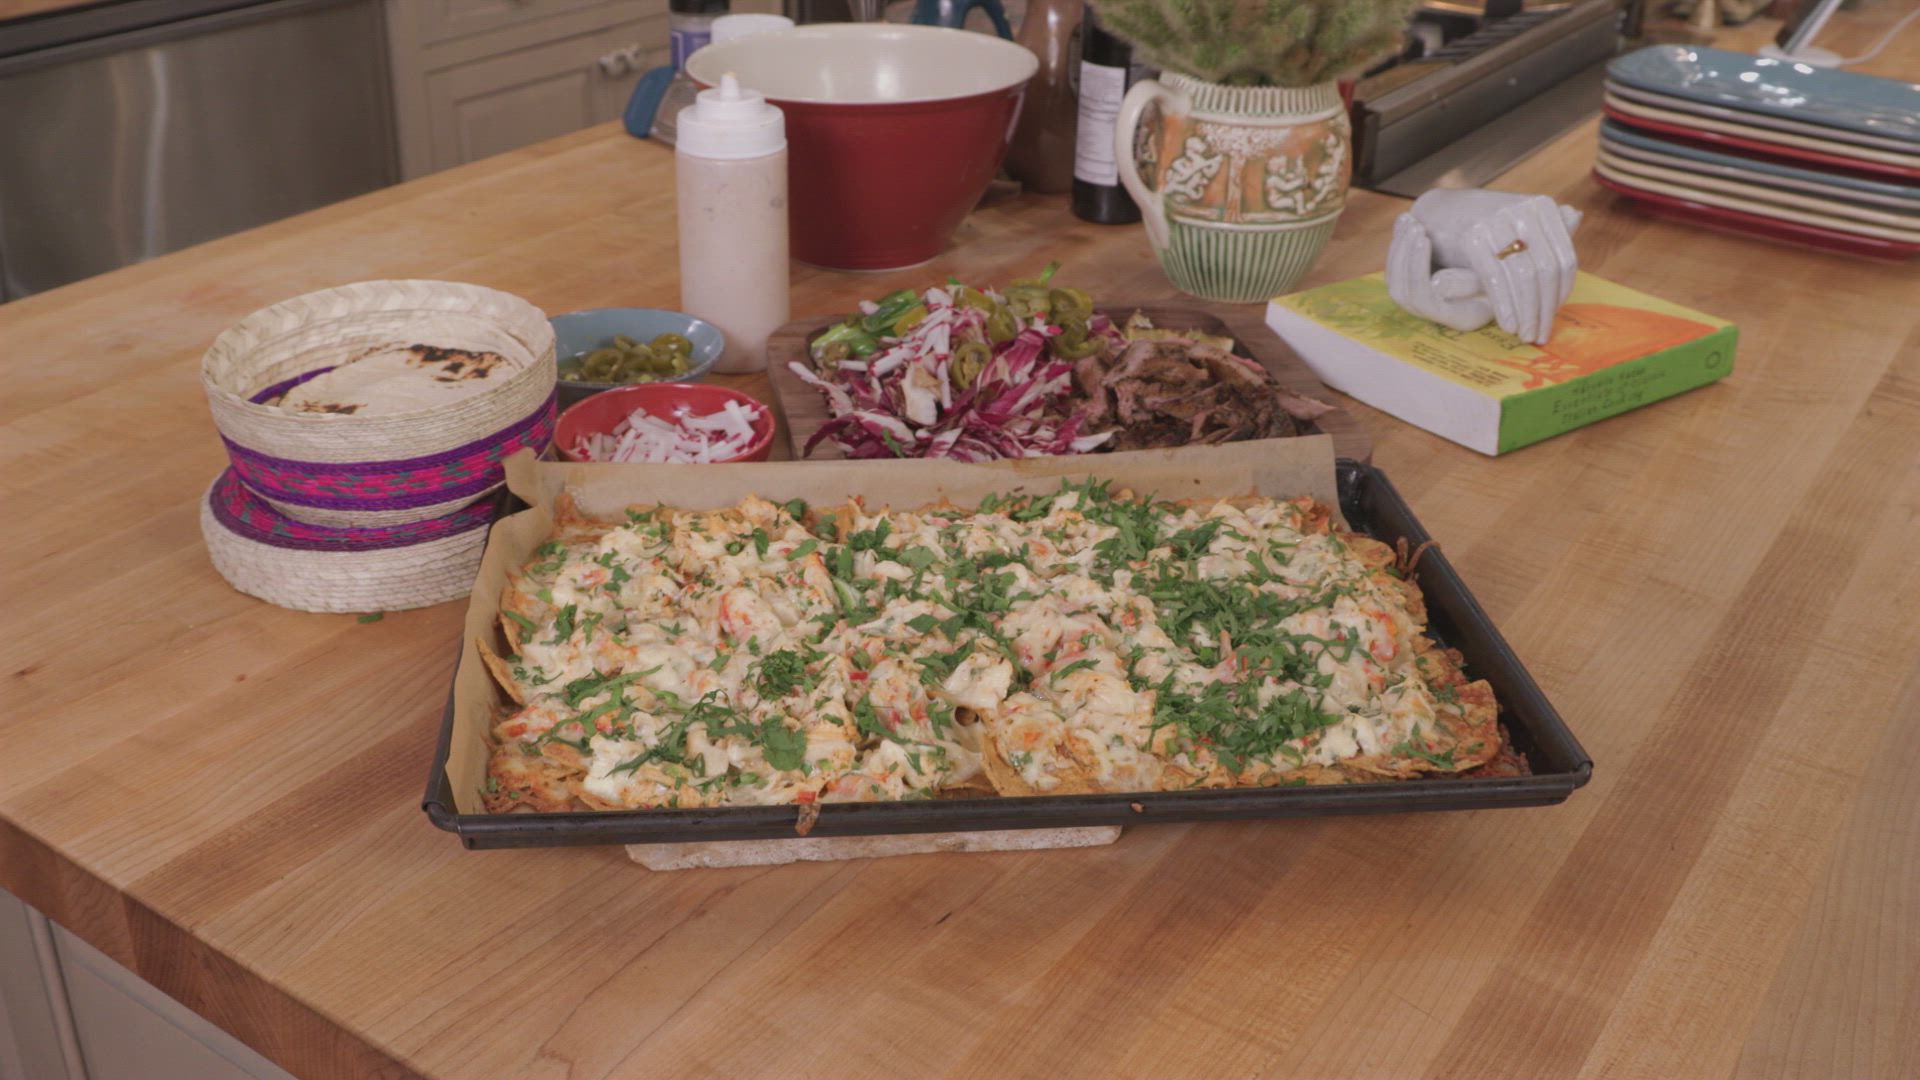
(1086, 640)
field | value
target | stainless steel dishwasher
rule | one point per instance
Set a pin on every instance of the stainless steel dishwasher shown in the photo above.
(131, 129)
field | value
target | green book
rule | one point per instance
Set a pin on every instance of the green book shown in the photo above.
(1612, 349)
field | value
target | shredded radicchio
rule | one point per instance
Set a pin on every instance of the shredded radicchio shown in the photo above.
(903, 401)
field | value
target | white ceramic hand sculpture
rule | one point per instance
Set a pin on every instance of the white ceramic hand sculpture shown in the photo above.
(1467, 258)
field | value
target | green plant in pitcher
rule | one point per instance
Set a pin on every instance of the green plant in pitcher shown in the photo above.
(1258, 42)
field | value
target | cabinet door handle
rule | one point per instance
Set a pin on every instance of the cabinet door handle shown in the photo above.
(623, 61)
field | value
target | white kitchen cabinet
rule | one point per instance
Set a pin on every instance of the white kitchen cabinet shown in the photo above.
(445, 20)
(36, 1031)
(69, 1012)
(473, 78)
(504, 102)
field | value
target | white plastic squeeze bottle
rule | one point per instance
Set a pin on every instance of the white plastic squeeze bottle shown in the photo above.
(731, 176)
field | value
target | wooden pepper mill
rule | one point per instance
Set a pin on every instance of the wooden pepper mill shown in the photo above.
(1041, 153)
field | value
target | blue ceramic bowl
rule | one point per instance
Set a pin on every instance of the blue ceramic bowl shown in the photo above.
(579, 332)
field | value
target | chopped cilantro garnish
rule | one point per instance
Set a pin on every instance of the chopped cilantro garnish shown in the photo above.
(563, 625)
(935, 669)
(785, 748)
(867, 720)
(873, 539)
(1415, 747)
(780, 672)
(1081, 664)
(918, 557)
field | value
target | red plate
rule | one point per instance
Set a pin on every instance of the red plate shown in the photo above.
(1769, 149)
(1739, 221)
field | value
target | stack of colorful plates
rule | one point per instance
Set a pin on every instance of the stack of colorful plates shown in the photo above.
(1766, 147)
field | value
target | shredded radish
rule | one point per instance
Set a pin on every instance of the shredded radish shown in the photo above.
(686, 440)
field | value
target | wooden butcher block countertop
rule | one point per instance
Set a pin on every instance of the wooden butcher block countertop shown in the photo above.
(1718, 591)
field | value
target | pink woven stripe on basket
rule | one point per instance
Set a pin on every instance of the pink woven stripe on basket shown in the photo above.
(462, 472)
(247, 515)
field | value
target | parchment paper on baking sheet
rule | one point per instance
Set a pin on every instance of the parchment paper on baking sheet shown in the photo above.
(1279, 468)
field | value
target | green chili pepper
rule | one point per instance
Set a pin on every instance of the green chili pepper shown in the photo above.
(1072, 342)
(969, 360)
(1001, 326)
(1028, 297)
(1074, 350)
(1026, 301)
(888, 310)
(906, 322)
(850, 335)
(672, 345)
(974, 298)
(1070, 302)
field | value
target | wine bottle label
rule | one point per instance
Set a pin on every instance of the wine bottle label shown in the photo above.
(1101, 91)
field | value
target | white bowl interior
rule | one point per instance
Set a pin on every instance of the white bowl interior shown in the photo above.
(866, 63)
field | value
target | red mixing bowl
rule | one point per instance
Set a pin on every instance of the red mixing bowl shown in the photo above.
(893, 132)
(602, 412)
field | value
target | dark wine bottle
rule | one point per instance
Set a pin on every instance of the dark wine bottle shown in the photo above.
(1106, 70)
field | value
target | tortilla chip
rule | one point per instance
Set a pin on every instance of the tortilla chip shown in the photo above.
(519, 599)
(976, 786)
(1384, 563)
(845, 518)
(1075, 779)
(1509, 761)
(516, 781)
(501, 671)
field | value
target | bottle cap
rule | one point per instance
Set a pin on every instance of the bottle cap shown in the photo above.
(728, 27)
(698, 7)
(730, 123)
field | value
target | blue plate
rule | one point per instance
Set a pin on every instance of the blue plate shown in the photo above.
(1880, 191)
(584, 331)
(1743, 117)
(1779, 88)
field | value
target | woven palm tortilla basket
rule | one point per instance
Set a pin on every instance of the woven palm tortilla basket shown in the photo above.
(371, 471)
(309, 567)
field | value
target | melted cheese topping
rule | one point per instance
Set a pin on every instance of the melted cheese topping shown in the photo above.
(1084, 640)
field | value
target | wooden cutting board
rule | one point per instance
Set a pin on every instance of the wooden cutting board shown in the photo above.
(805, 410)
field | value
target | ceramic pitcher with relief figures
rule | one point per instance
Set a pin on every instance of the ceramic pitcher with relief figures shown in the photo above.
(1239, 186)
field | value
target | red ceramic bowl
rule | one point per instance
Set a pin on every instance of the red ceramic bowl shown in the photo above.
(893, 132)
(602, 412)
